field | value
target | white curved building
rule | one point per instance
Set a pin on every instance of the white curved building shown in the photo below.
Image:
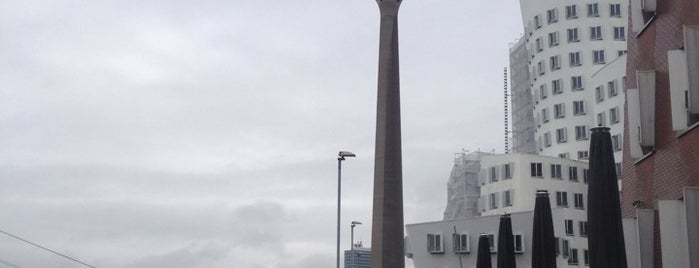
(570, 41)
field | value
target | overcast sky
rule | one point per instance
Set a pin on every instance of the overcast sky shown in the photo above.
(205, 133)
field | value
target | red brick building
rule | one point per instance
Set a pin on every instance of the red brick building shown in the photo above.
(661, 137)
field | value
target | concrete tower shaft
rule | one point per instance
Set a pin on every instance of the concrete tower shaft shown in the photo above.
(387, 222)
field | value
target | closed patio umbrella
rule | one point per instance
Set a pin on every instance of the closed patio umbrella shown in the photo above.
(483, 257)
(543, 240)
(506, 243)
(605, 233)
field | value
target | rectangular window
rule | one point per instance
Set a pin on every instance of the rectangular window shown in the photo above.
(539, 45)
(576, 82)
(612, 88)
(561, 135)
(583, 228)
(543, 92)
(562, 199)
(507, 198)
(615, 10)
(573, 256)
(553, 39)
(620, 52)
(586, 257)
(599, 94)
(583, 155)
(557, 246)
(573, 173)
(493, 174)
(573, 35)
(507, 171)
(586, 175)
(579, 204)
(557, 86)
(619, 33)
(581, 132)
(569, 228)
(598, 57)
(461, 243)
(617, 166)
(616, 142)
(555, 62)
(519, 243)
(491, 240)
(571, 12)
(565, 249)
(563, 155)
(434, 243)
(592, 10)
(601, 119)
(536, 170)
(614, 115)
(578, 107)
(493, 201)
(542, 67)
(552, 15)
(596, 33)
(537, 22)
(547, 139)
(556, 173)
(559, 110)
(574, 58)
(545, 115)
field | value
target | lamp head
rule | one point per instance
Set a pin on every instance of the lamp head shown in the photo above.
(342, 154)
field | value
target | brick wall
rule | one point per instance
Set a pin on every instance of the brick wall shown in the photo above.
(675, 162)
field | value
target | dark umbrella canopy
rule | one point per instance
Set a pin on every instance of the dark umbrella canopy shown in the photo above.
(506, 243)
(483, 258)
(543, 240)
(605, 234)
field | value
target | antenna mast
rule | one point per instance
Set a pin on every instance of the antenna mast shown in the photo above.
(507, 114)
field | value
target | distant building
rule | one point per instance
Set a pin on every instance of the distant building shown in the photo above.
(523, 125)
(463, 187)
(359, 258)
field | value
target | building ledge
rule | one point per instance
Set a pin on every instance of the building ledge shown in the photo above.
(689, 129)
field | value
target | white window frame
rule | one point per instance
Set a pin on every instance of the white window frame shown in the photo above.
(547, 139)
(545, 115)
(593, 10)
(462, 243)
(537, 170)
(571, 12)
(602, 119)
(435, 243)
(579, 107)
(569, 227)
(573, 35)
(559, 110)
(519, 243)
(556, 174)
(616, 142)
(553, 39)
(555, 62)
(573, 258)
(561, 135)
(583, 155)
(557, 86)
(576, 83)
(552, 15)
(579, 201)
(620, 33)
(562, 199)
(581, 132)
(615, 10)
(582, 225)
(612, 88)
(573, 173)
(574, 58)
(595, 33)
(599, 94)
(614, 115)
(598, 57)
(507, 198)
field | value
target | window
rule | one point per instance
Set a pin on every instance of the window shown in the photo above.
(573, 173)
(599, 94)
(601, 119)
(561, 135)
(493, 174)
(539, 45)
(556, 174)
(574, 58)
(519, 243)
(592, 10)
(557, 86)
(493, 201)
(553, 39)
(596, 33)
(542, 91)
(562, 199)
(615, 10)
(559, 110)
(614, 115)
(507, 171)
(555, 62)
(619, 34)
(586, 257)
(557, 246)
(620, 52)
(542, 67)
(552, 15)
(579, 203)
(545, 115)
(491, 240)
(434, 243)
(563, 155)
(573, 256)
(507, 198)
(569, 228)
(565, 249)
(573, 35)
(583, 228)
(571, 12)
(537, 22)
(586, 175)
(547, 139)
(612, 88)
(576, 83)
(583, 155)
(617, 166)
(598, 56)
(461, 243)
(536, 170)
(578, 107)
(616, 142)
(581, 133)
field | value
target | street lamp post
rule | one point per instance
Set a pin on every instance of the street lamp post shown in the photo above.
(354, 223)
(340, 157)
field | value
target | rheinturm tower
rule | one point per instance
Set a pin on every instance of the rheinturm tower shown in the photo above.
(387, 222)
